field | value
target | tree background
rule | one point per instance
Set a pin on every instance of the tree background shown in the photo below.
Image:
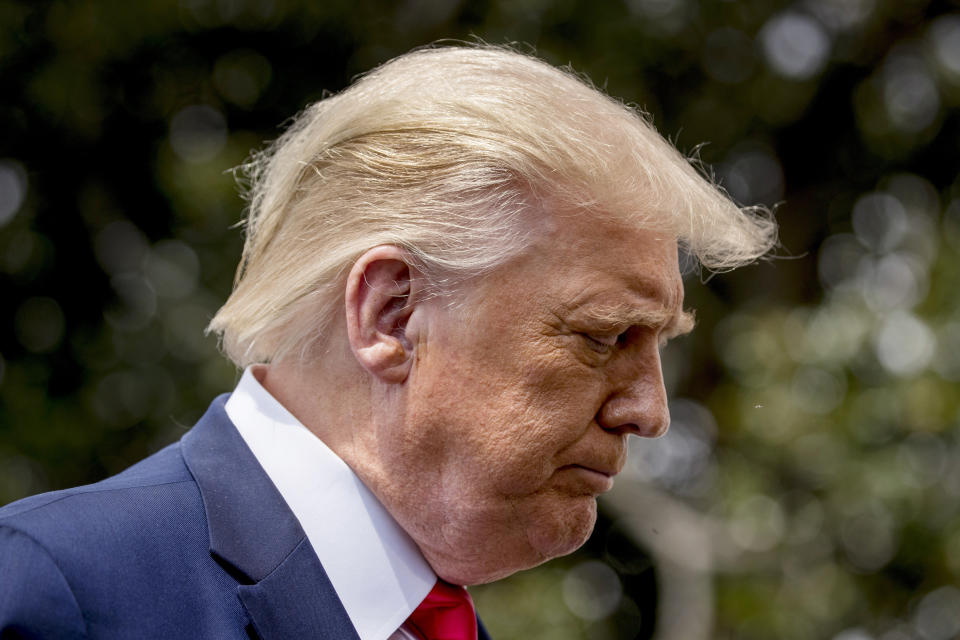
(808, 487)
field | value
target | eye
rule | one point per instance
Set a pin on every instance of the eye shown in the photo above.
(603, 343)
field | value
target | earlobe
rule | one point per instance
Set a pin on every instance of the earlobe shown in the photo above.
(379, 302)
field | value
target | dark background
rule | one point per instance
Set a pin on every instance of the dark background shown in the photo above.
(811, 469)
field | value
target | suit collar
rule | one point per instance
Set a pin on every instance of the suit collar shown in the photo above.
(238, 497)
(257, 539)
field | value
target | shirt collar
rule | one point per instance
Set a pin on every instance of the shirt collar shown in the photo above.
(374, 566)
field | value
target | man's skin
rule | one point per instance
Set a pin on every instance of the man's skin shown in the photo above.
(489, 422)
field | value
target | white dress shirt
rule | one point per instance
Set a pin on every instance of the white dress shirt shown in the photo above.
(374, 566)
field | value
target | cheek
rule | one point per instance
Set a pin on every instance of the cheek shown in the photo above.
(496, 414)
(526, 430)
(558, 393)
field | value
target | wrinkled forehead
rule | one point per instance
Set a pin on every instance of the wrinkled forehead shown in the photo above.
(588, 250)
(628, 234)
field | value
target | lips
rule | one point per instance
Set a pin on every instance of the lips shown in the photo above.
(609, 464)
(597, 479)
(609, 471)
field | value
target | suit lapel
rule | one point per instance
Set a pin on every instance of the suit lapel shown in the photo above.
(291, 603)
(257, 539)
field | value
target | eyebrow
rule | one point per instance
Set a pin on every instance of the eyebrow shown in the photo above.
(673, 323)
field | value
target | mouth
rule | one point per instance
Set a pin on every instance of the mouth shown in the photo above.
(596, 480)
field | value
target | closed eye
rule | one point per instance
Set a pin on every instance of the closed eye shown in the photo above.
(603, 343)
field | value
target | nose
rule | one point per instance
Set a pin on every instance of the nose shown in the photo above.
(637, 403)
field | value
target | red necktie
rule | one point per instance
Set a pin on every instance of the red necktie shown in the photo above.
(445, 614)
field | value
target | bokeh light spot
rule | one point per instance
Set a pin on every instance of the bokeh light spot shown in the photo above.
(136, 303)
(924, 457)
(198, 133)
(172, 268)
(905, 344)
(120, 247)
(918, 197)
(938, 614)
(868, 536)
(891, 282)
(817, 390)
(900, 632)
(910, 95)
(879, 221)
(945, 37)
(757, 523)
(795, 45)
(13, 189)
(838, 259)
(592, 590)
(753, 175)
(241, 76)
(841, 15)
(124, 398)
(830, 335)
(668, 16)
(946, 361)
(39, 324)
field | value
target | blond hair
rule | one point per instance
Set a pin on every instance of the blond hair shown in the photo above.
(442, 151)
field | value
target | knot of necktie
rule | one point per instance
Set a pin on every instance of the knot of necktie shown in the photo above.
(446, 613)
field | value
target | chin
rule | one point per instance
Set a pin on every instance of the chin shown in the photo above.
(563, 530)
(555, 532)
(570, 531)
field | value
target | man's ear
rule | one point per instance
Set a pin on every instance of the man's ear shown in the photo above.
(380, 297)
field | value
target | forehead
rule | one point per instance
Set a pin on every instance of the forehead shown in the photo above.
(581, 270)
(611, 261)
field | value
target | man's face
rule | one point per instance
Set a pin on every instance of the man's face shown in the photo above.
(520, 401)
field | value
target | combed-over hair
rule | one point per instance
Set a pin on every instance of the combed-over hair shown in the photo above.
(442, 151)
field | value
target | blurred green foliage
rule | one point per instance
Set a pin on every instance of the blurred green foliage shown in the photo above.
(809, 485)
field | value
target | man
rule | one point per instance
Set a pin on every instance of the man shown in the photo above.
(457, 277)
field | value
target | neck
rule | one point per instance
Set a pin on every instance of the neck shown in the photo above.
(327, 395)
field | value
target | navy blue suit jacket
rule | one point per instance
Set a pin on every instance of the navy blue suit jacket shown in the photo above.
(192, 542)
